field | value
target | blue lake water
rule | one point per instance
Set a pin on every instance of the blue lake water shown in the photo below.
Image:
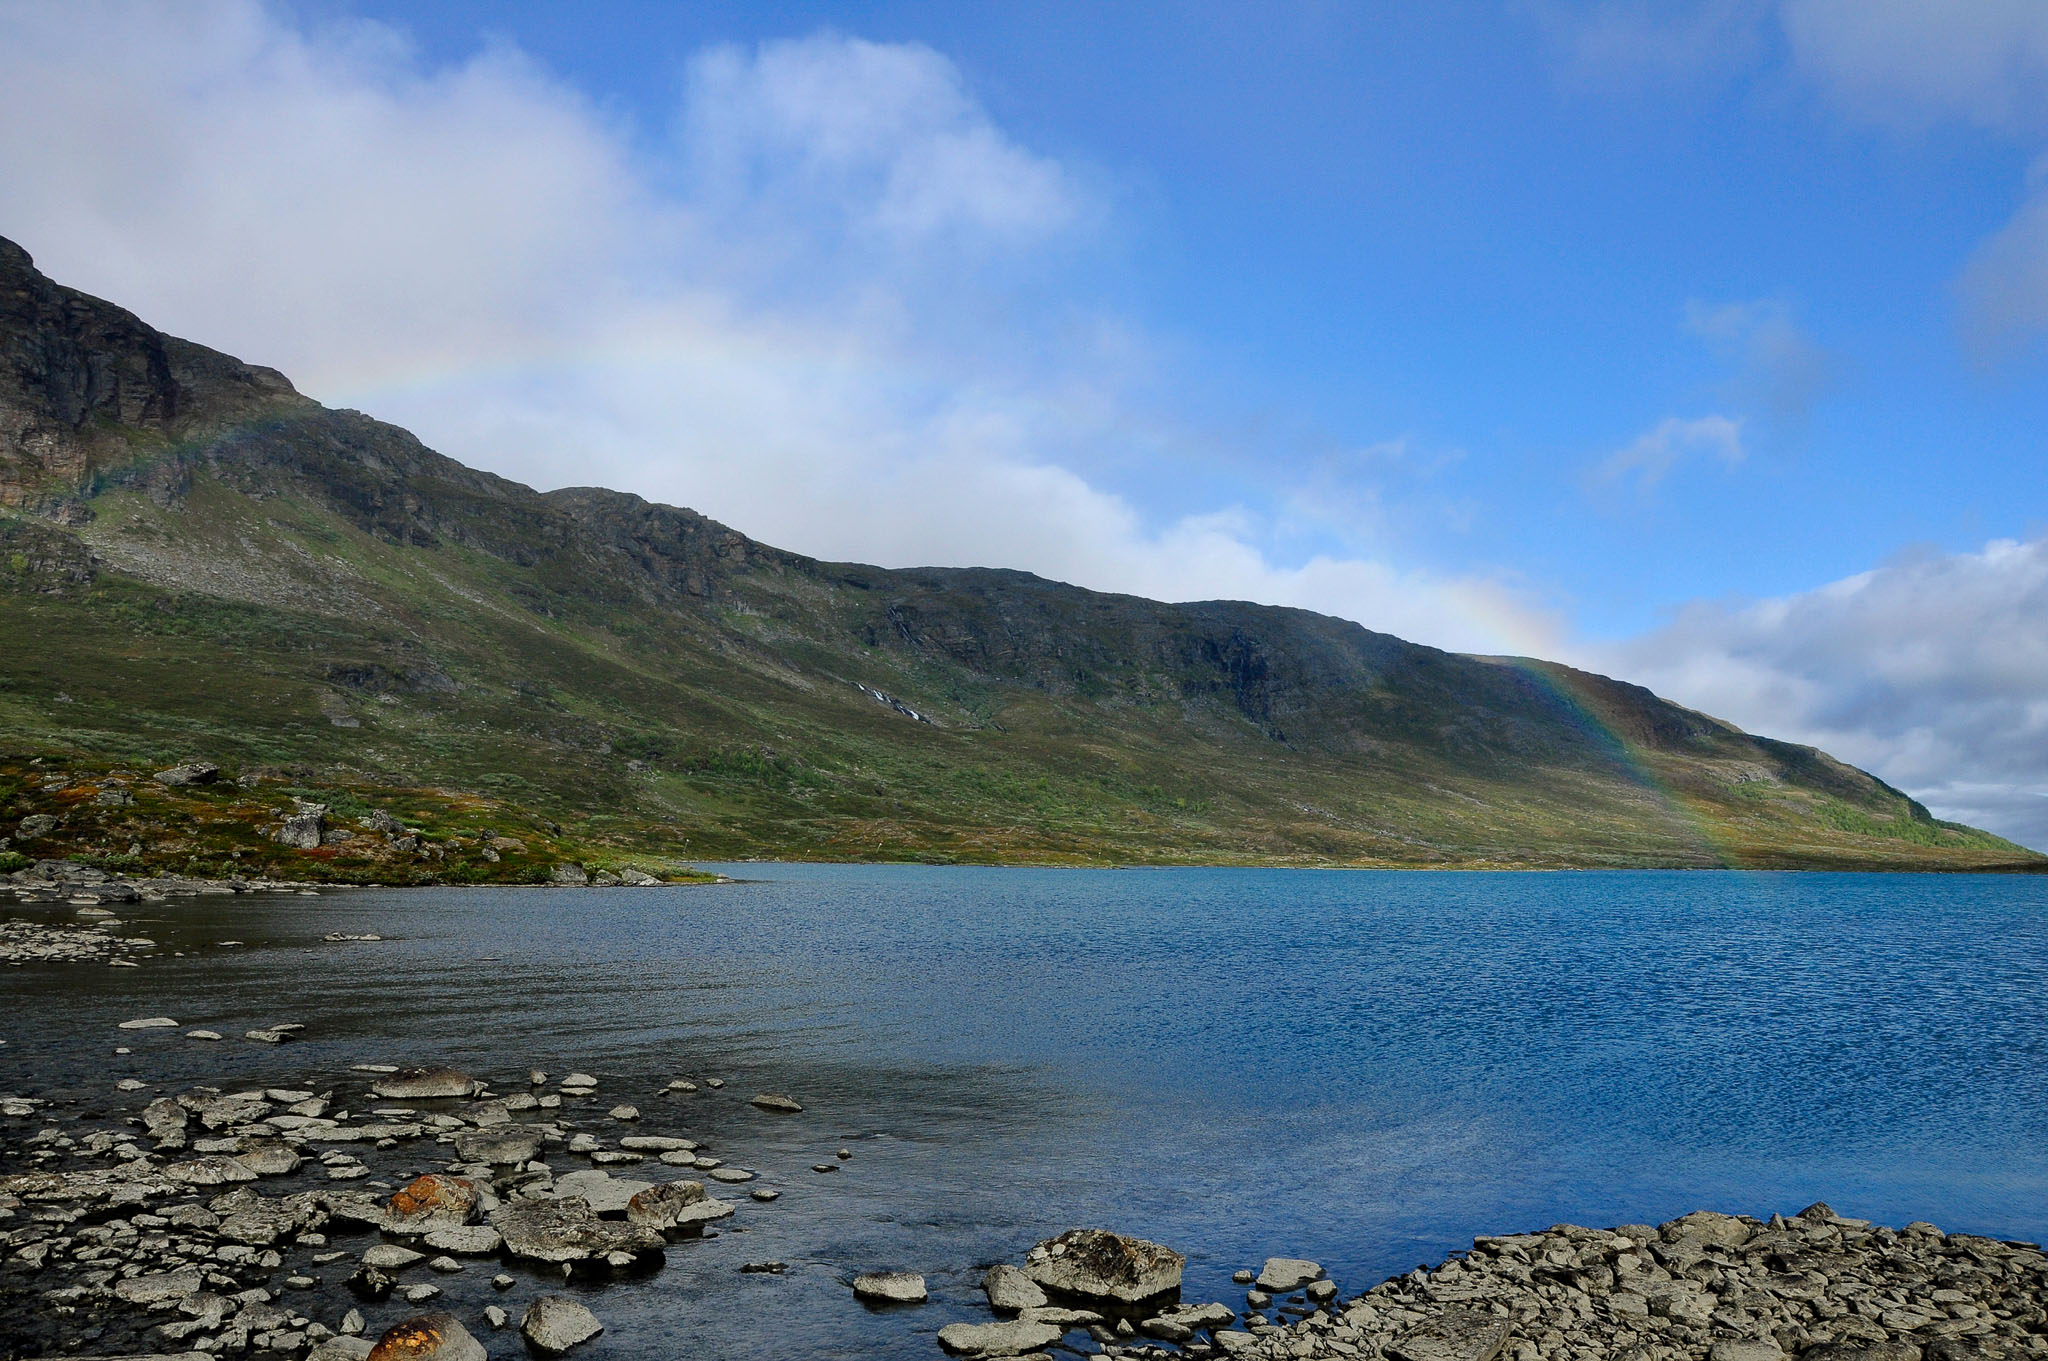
(1362, 1068)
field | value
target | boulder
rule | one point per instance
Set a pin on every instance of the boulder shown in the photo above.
(555, 1323)
(568, 874)
(775, 1103)
(1746, 1349)
(637, 878)
(305, 828)
(1011, 1338)
(1097, 1264)
(149, 1023)
(432, 1201)
(194, 772)
(561, 1231)
(35, 825)
(890, 1287)
(425, 1084)
(1282, 1274)
(1010, 1290)
(428, 1337)
(1454, 1335)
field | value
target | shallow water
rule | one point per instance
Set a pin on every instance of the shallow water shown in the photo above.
(1362, 1068)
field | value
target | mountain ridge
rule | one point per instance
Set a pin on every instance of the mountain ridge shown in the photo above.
(390, 618)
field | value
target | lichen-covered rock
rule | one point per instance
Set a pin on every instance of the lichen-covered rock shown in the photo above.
(1098, 1264)
(428, 1337)
(501, 1146)
(1453, 1335)
(432, 1201)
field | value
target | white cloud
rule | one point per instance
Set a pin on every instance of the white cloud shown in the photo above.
(1669, 442)
(1911, 62)
(835, 305)
(1925, 667)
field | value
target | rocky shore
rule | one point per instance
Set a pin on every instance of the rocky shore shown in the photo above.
(323, 1221)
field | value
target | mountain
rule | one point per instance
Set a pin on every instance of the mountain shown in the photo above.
(199, 563)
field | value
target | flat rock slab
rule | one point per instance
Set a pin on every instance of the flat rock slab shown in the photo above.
(1012, 1338)
(890, 1287)
(775, 1103)
(150, 1023)
(425, 1084)
(568, 1231)
(1454, 1335)
(160, 1286)
(1282, 1274)
(555, 1323)
(605, 1193)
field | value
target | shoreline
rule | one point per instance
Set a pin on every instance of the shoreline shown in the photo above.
(307, 1220)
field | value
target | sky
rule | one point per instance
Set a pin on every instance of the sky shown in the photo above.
(1701, 344)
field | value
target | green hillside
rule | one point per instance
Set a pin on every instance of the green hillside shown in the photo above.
(197, 563)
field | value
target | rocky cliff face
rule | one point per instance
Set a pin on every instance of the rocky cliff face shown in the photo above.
(332, 545)
(86, 388)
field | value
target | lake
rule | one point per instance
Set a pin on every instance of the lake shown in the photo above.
(1362, 1068)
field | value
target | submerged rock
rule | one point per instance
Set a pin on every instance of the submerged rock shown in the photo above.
(1098, 1264)
(425, 1084)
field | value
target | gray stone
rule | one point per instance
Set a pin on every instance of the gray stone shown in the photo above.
(1098, 1264)
(159, 1286)
(391, 1257)
(425, 1084)
(341, 1348)
(501, 1146)
(569, 874)
(555, 1323)
(1011, 1338)
(1746, 1349)
(1454, 1335)
(605, 1194)
(194, 772)
(568, 1231)
(305, 828)
(35, 825)
(1010, 1290)
(775, 1103)
(890, 1287)
(467, 1240)
(1282, 1274)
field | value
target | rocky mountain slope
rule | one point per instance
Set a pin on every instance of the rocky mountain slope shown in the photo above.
(197, 562)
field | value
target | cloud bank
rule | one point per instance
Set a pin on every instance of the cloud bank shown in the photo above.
(834, 304)
(1923, 669)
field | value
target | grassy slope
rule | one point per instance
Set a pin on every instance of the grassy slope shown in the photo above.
(740, 732)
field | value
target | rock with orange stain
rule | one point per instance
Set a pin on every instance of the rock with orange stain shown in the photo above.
(428, 1337)
(431, 1202)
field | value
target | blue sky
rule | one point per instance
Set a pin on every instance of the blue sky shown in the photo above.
(1697, 343)
(1363, 224)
